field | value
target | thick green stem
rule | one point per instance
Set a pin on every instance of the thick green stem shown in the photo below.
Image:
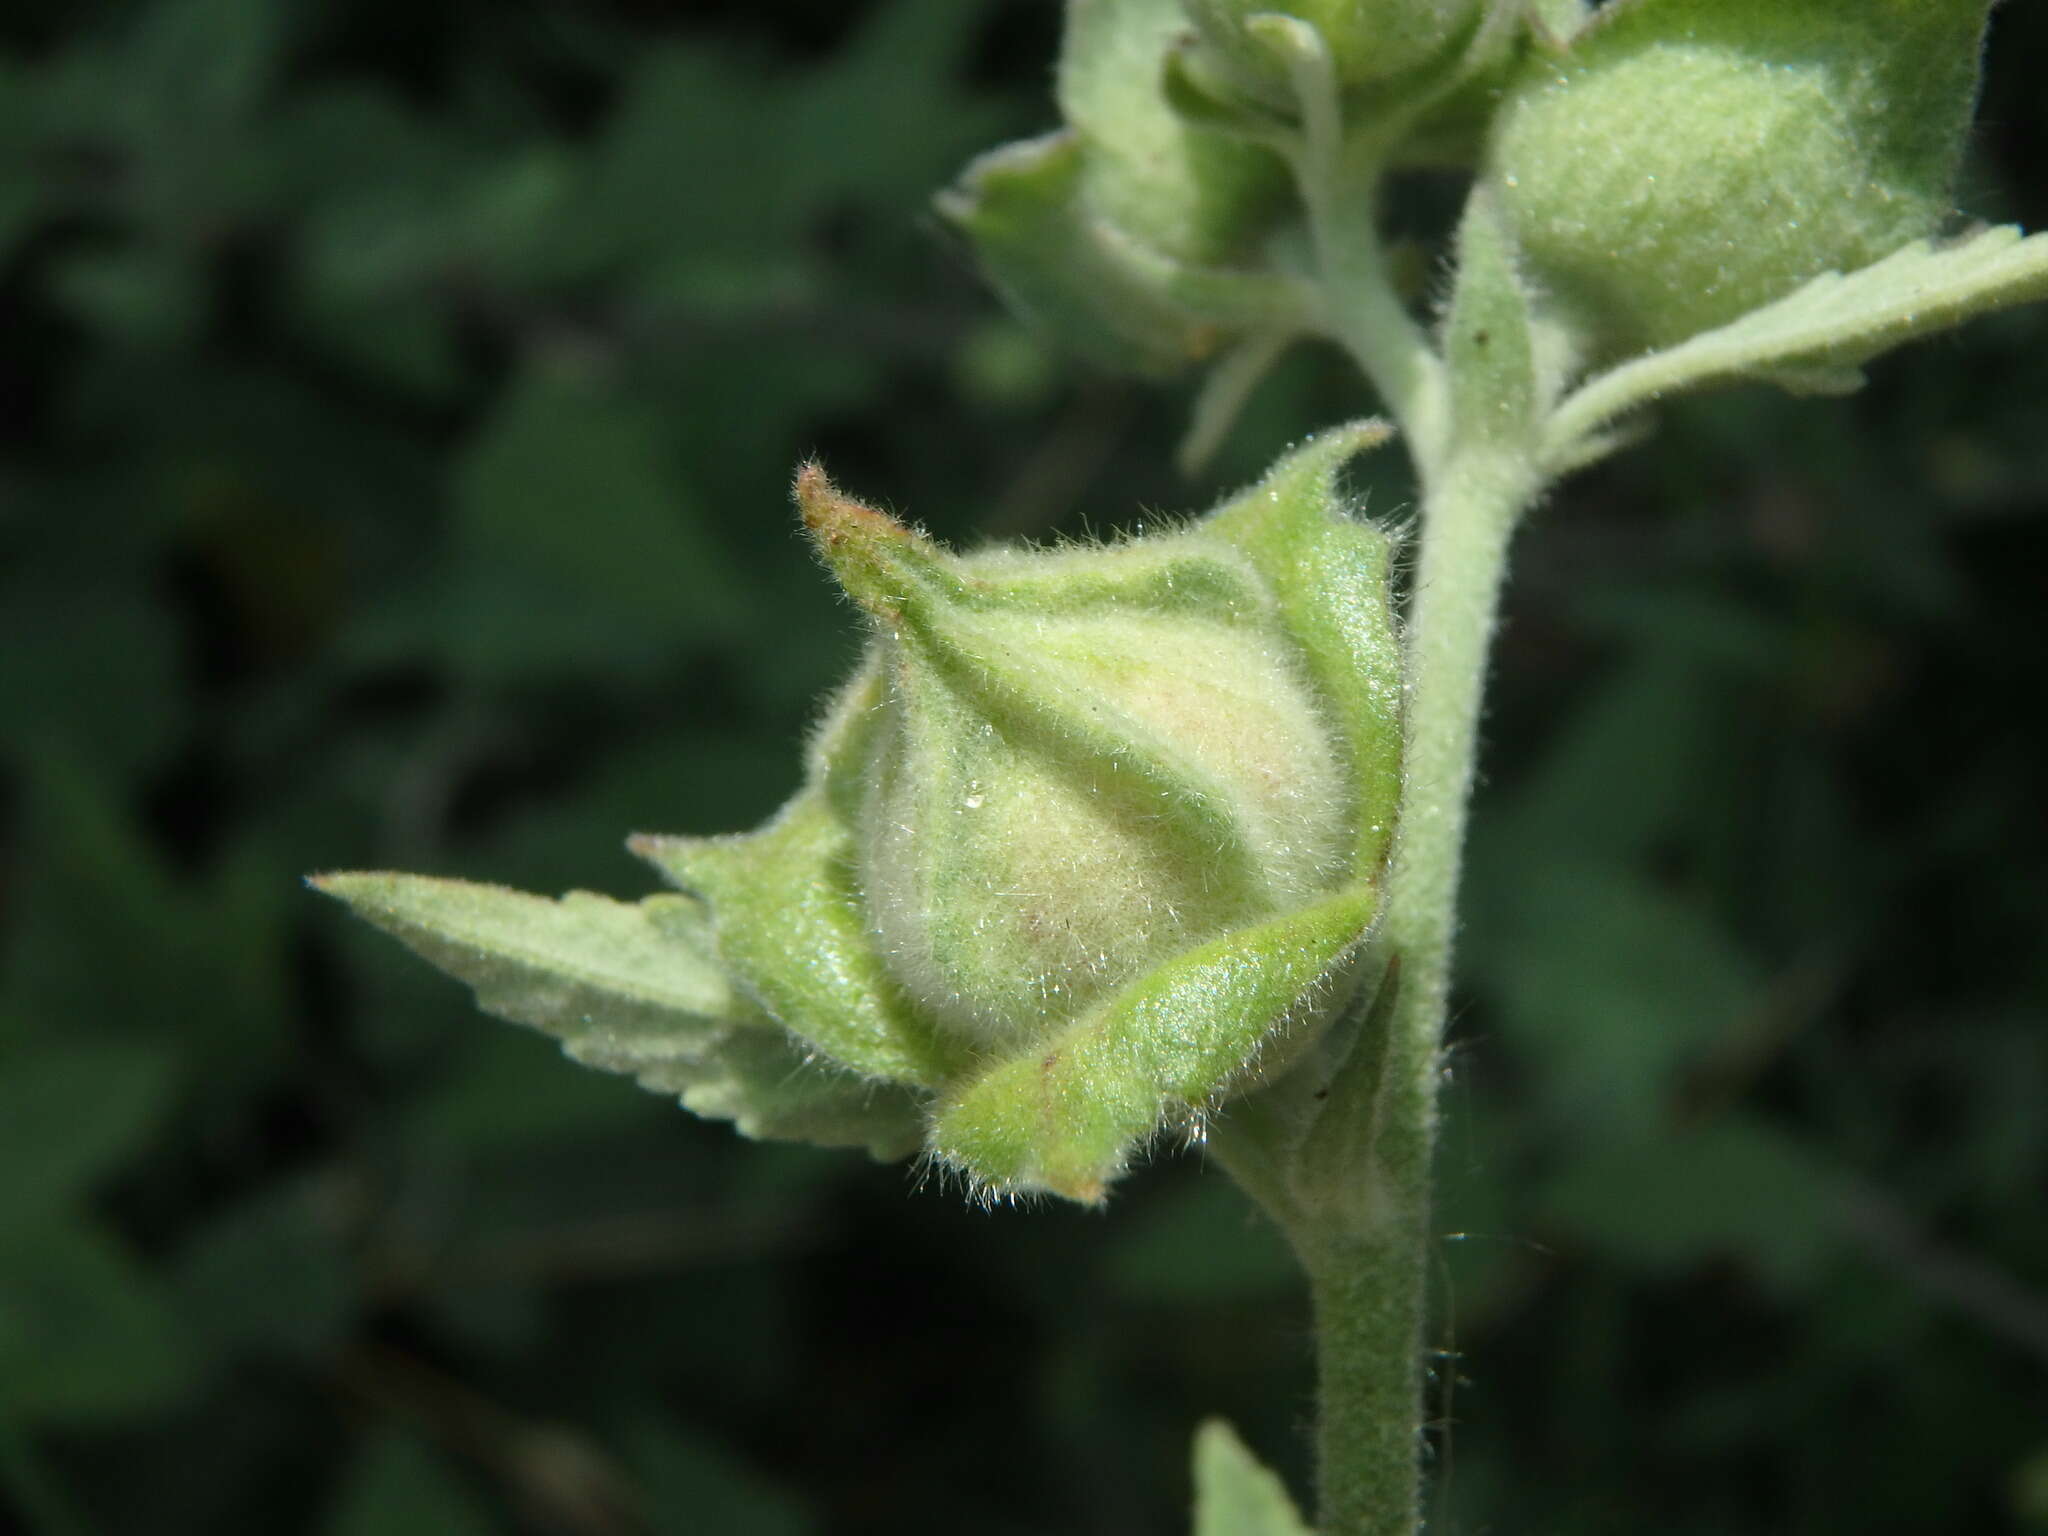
(1360, 1220)
(1467, 518)
(1368, 1314)
(1345, 1168)
(1365, 1246)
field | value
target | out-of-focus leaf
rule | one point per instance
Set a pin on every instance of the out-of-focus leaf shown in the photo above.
(1200, 1245)
(1608, 986)
(1234, 1494)
(887, 118)
(268, 1274)
(200, 958)
(1625, 768)
(575, 541)
(21, 199)
(2030, 1491)
(102, 672)
(400, 1488)
(694, 1486)
(505, 1089)
(142, 296)
(206, 59)
(1737, 1188)
(84, 1334)
(69, 1113)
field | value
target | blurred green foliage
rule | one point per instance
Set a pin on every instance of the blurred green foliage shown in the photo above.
(397, 403)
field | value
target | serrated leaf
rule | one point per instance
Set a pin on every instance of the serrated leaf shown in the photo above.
(1818, 335)
(630, 988)
(761, 1082)
(1234, 1494)
(560, 966)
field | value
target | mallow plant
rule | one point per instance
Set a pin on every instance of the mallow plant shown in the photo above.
(1107, 848)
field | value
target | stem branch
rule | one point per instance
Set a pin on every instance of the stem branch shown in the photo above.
(1337, 177)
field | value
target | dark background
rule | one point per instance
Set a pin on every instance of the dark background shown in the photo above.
(397, 403)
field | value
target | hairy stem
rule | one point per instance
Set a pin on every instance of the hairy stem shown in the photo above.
(1369, 1285)
(1337, 179)
(1361, 1223)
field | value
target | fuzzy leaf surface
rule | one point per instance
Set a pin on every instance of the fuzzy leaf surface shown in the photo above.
(1823, 331)
(1068, 1117)
(630, 988)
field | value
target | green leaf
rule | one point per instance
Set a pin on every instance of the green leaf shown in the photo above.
(206, 59)
(569, 503)
(561, 966)
(1200, 1245)
(771, 1091)
(1736, 1187)
(1608, 983)
(140, 296)
(84, 1335)
(629, 988)
(71, 1113)
(1819, 335)
(1234, 1494)
(400, 1488)
(693, 1485)
(270, 1274)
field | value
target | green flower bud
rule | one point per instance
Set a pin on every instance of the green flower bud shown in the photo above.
(1132, 235)
(1686, 161)
(1094, 835)
(1188, 192)
(1370, 41)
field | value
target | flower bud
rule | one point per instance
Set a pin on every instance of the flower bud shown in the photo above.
(1133, 236)
(1096, 831)
(1370, 41)
(1084, 765)
(1685, 161)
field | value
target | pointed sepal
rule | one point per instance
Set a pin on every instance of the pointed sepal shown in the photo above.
(1067, 1116)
